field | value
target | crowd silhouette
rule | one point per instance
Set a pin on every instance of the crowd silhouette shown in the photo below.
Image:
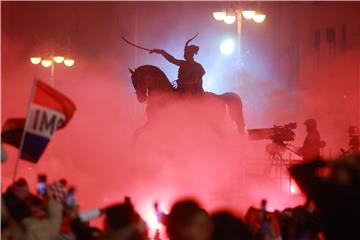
(331, 212)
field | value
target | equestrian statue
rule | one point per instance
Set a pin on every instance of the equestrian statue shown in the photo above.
(154, 88)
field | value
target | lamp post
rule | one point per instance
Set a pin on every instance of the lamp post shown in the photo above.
(50, 62)
(230, 16)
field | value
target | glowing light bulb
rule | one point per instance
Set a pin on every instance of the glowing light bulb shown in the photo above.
(227, 47)
(46, 63)
(219, 15)
(35, 60)
(58, 59)
(69, 62)
(259, 17)
(229, 19)
(248, 14)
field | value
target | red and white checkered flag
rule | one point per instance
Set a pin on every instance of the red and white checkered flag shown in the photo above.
(57, 191)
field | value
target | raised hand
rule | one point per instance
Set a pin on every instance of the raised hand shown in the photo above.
(159, 51)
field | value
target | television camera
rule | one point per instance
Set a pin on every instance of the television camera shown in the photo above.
(280, 136)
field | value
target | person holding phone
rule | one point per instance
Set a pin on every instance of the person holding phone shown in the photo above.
(41, 185)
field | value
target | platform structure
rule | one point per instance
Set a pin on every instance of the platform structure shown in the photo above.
(278, 169)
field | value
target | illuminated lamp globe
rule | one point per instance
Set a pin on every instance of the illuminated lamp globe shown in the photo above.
(219, 15)
(229, 19)
(259, 17)
(35, 60)
(46, 63)
(248, 14)
(227, 47)
(58, 59)
(69, 62)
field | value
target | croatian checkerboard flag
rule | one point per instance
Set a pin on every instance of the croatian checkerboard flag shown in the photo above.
(49, 110)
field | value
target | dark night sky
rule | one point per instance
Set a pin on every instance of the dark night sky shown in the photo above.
(92, 28)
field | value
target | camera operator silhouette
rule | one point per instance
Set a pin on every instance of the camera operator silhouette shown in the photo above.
(312, 144)
(190, 72)
(354, 143)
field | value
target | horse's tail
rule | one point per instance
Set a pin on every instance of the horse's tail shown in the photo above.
(235, 108)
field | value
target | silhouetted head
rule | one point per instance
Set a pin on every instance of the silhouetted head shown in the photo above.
(14, 200)
(119, 216)
(229, 227)
(123, 222)
(310, 124)
(188, 221)
(190, 51)
(20, 188)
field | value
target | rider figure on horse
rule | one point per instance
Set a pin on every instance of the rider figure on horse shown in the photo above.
(190, 72)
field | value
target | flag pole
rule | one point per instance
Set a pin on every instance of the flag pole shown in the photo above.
(16, 167)
(23, 134)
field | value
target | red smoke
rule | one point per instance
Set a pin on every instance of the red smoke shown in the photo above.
(97, 153)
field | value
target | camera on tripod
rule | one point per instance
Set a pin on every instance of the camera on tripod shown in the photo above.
(278, 134)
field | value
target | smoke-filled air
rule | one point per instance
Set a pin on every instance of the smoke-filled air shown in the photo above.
(300, 63)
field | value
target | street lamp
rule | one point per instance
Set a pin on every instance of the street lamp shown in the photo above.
(259, 17)
(50, 62)
(35, 60)
(46, 63)
(248, 14)
(69, 62)
(58, 59)
(231, 18)
(219, 15)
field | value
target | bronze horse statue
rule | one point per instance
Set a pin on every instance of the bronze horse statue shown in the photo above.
(153, 87)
